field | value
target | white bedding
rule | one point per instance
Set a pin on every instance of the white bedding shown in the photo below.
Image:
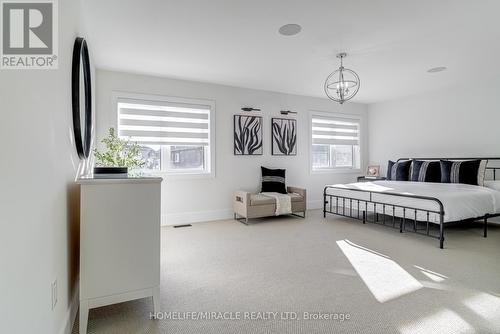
(460, 201)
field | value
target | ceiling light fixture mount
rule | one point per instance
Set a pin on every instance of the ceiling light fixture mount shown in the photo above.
(342, 84)
(290, 29)
(436, 69)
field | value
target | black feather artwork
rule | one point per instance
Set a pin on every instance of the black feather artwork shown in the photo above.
(247, 135)
(284, 136)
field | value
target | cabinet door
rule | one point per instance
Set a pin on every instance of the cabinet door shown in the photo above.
(120, 238)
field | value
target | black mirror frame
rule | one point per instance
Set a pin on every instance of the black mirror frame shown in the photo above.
(81, 52)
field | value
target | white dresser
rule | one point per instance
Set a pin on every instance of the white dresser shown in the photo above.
(119, 242)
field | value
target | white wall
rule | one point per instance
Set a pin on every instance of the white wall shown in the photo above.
(209, 199)
(461, 121)
(38, 202)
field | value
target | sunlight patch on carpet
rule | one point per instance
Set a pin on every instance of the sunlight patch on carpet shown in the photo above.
(436, 277)
(444, 321)
(485, 305)
(385, 279)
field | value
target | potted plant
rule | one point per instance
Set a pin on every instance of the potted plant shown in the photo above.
(119, 155)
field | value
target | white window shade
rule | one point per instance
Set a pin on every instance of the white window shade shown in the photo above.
(335, 131)
(164, 123)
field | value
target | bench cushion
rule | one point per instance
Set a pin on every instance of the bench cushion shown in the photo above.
(259, 199)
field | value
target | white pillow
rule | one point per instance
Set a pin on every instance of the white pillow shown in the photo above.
(481, 173)
(495, 185)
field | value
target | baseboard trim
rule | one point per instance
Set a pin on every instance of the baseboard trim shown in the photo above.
(195, 217)
(212, 215)
(69, 320)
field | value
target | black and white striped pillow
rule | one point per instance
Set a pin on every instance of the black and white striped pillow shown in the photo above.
(466, 171)
(425, 171)
(273, 180)
(398, 171)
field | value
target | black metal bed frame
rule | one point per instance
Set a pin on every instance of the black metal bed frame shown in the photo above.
(361, 213)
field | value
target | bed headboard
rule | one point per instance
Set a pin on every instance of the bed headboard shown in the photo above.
(489, 167)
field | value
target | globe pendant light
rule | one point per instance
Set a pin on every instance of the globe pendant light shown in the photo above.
(343, 84)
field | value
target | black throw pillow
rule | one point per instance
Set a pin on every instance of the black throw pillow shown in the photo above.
(389, 169)
(425, 171)
(467, 171)
(273, 180)
(398, 171)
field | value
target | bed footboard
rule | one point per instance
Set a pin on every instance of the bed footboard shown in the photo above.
(384, 213)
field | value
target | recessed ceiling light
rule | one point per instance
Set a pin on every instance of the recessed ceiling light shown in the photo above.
(436, 69)
(290, 29)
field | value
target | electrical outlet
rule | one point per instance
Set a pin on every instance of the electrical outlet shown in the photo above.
(54, 294)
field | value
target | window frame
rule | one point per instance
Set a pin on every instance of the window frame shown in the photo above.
(186, 174)
(337, 170)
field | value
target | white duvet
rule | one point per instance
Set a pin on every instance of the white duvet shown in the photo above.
(460, 201)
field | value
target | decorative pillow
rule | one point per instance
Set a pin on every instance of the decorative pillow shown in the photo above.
(425, 171)
(273, 180)
(495, 185)
(398, 171)
(467, 171)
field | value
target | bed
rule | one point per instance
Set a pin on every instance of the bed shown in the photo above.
(420, 207)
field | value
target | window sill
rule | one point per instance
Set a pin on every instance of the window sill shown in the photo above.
(183, 176)
(335, 171)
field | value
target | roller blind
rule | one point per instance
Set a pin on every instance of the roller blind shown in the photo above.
(335, 131)
(164, 123)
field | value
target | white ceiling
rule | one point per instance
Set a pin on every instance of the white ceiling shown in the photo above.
(391, 43)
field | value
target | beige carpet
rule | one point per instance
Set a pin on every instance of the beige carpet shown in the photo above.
(384, 281)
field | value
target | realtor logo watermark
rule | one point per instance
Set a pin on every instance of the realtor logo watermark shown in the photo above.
(254, 316)
(29, 34)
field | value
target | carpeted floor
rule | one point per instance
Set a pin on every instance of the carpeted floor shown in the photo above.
(367, 278)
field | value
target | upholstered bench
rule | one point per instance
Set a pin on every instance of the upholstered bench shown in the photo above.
(248, 205)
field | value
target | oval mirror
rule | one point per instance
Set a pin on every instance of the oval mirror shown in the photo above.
(81, 91)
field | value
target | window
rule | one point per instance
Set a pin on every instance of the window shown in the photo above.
(174, 135)
(335, 143)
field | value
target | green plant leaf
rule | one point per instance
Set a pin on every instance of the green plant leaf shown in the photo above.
(119, 152)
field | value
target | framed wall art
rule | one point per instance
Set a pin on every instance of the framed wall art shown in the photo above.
(284, 136)
(247, 135)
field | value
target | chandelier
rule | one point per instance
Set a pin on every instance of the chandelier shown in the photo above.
(343, 84)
